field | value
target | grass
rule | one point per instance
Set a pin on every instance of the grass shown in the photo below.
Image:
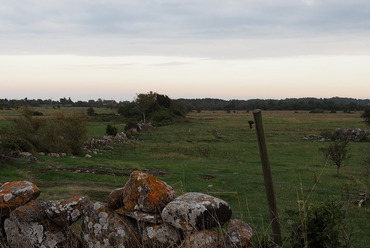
(217, 153)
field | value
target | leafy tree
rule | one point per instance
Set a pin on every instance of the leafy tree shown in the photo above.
(130, 111)
(366, 115)
(337, 152)
(147, 103)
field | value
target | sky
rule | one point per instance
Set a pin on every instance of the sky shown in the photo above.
(235, 49)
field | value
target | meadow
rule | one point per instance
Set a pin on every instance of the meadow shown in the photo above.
(216, 153)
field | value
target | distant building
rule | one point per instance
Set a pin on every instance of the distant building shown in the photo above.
(109, 102)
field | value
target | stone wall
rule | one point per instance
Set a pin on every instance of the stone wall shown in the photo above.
(143, 213)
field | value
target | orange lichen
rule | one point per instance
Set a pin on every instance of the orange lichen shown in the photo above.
(145, 189)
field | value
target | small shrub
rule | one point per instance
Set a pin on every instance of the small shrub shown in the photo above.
(366, 115)
(111, 130)
(337, 152)
(90, 111)
(37, 113)
(322, 225)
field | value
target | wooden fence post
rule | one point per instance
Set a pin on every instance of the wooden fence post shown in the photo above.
(267, 176)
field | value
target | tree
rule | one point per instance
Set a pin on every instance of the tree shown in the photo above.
(337, 152)
(147, 103)
(366, 115)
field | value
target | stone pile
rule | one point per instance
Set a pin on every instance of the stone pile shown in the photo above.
(145, 212)
(355, 134)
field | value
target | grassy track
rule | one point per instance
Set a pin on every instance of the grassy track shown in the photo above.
(217, 153)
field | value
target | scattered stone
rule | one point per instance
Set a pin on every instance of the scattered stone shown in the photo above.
(41, 153)
(32, 160)
(53, 154)
(146, 193)
(239, 234)
(16, 194)
(25, 154)
(196, 211)
(88, 156)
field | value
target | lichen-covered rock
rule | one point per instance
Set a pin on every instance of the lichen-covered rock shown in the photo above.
(28, 226)
(103, 227)
(239, 234)
(15, 194)
(161, 236)
(196, 211)
(140, 216)
(146, 193)
(203, 239)
(115, 198)
(66, 212)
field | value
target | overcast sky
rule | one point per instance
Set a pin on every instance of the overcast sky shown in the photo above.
(113, 49)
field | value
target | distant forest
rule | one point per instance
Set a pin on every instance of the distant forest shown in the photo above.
(312, 104)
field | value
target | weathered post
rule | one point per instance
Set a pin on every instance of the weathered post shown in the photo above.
(267, 176)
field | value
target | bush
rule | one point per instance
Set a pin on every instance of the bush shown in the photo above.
(366, 115)
(60, 134)
(322, 225)
(162, 118)
(90, 111)
(111, 130)
(337, 152)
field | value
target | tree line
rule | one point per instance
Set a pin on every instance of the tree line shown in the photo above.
(327, 104)
(311, 104)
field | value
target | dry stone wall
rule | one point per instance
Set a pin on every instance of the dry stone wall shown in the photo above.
(145, 212)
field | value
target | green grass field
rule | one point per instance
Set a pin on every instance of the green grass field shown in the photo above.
(217, 153)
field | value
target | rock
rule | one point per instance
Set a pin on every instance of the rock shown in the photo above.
(239, 234)
(28, 226)
(32, 160)
(25, 154)
(196, 211)
(145, 193)
(66, 212)
(15, 194)
(161, 236)
(203, 239)
(107, 147)
(41, 153)
(140, 216)
(103, 227)
(88, 156)
(115, 198)
(53, 154)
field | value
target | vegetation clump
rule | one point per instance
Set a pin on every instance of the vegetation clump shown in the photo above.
(60, 134)
(159, 109)
(366, 115)
(319, 225)
(337, 152)
(111, 130)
